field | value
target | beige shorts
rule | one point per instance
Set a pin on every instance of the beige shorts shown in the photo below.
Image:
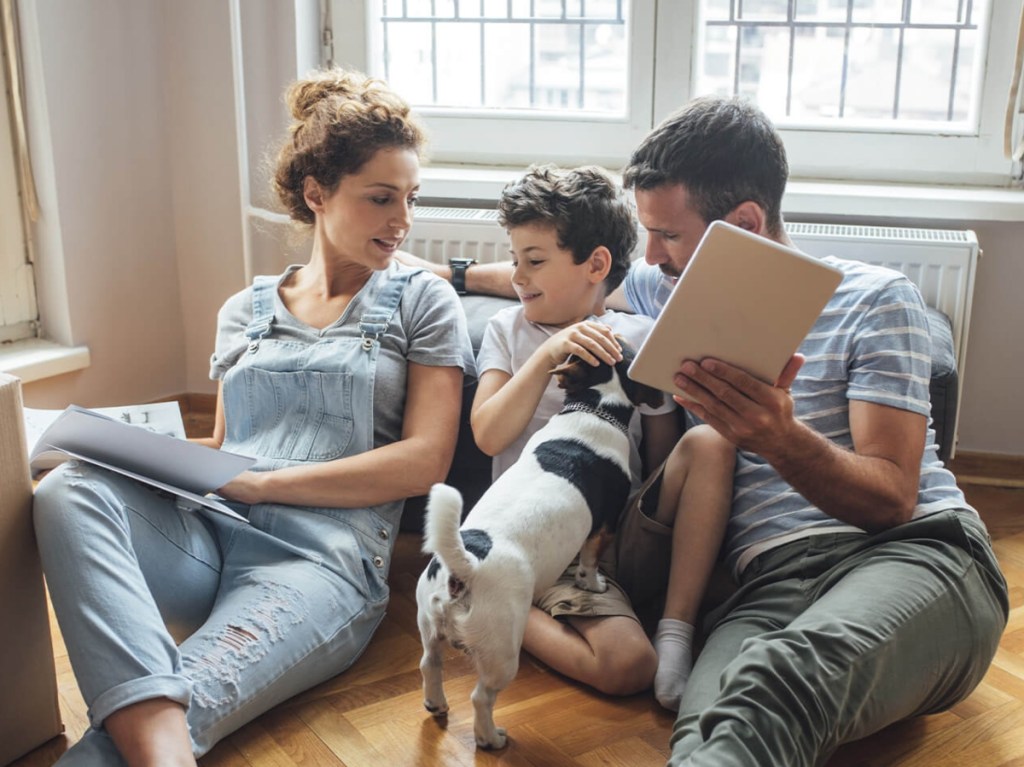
(566, 600)
(636, 565)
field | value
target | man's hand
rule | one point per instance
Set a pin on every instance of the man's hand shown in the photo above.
(751, 414)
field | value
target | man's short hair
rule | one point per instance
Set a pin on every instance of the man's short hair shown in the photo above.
(584, 205)
(723, 151)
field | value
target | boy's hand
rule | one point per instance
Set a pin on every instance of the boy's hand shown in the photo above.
(593, 342)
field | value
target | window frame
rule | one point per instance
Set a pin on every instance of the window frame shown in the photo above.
(661, 82)
(19, 315)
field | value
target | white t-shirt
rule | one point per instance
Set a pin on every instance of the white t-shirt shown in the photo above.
(508, 342)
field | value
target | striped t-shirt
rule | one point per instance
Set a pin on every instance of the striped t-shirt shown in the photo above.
(871, 343)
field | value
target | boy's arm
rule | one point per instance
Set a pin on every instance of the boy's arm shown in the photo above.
(661, 433)
(493, 279)
(504, 405)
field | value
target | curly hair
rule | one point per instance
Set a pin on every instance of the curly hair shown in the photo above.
(584, 205)
(340, 120)
(723, 151)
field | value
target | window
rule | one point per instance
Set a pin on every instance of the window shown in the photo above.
(885, 90)
(553, 75)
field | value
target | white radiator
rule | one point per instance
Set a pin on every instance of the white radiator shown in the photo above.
(941, 262)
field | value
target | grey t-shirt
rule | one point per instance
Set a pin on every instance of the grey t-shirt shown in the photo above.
(429, 328)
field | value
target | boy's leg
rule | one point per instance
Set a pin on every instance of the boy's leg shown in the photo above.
(695, 498)
(594, 638)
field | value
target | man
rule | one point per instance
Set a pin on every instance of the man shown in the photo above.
(867, 587)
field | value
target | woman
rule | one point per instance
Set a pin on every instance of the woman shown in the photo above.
(343, 377)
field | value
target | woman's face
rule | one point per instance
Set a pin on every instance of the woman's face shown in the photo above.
(368, 216)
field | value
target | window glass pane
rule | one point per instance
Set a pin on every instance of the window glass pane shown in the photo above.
(763, 10)
(764, 61)
(719, 61)
(871, 76)
(496, 9)
(820, 10)
(507, 66)
(408, 60)
(878, 11)
(928, 62)
(459, 69)
(817, 75)
(938, 11)
(563, 55)
(902, 63)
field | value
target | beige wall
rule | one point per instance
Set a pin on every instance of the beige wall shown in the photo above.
(141, 238)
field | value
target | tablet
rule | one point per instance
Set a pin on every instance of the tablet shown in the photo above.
(743, 299)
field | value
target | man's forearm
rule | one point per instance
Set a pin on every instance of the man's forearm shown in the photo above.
(869, 492)
(494, 279)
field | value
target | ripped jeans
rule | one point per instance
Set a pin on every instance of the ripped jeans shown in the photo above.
(225, 618)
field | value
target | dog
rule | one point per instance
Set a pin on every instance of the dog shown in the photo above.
(562, 497)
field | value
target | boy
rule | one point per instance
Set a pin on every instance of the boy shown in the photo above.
(571, 235)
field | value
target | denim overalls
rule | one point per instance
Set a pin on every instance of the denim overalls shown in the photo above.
(263, 611)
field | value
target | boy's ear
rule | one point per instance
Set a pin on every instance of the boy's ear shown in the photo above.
(748, 215)
(313, 194)
(600, 262)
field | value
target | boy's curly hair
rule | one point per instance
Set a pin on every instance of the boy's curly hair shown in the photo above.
(584, 205)
(340, 120)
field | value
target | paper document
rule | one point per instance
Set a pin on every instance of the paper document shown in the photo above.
(186, 469)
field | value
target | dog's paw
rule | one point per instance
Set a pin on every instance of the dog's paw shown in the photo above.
(495, 740)
(589, 579)
(436, 709)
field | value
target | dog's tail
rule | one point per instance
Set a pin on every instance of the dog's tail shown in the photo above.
(441, 531)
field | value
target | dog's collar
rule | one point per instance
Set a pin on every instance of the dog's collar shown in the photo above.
(604, 415)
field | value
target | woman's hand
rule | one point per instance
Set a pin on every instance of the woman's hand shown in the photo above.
(593, 342)
(247, 488)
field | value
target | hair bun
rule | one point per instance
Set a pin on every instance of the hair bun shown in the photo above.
(304, 96)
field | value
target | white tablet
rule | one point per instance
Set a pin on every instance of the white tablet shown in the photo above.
(743, 299)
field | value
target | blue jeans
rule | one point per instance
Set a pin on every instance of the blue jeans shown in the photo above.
(246, 607)
(833, 637)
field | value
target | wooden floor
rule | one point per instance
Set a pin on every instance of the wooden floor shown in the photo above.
(373, 714)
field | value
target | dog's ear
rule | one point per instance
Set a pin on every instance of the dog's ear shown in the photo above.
(571, 374)
(638, 393)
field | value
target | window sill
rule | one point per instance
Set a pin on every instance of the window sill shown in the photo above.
(453, 184)
(35, 359)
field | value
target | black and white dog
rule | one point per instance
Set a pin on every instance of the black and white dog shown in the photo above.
(562, 496)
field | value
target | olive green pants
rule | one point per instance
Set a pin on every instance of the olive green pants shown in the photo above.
(833, 637)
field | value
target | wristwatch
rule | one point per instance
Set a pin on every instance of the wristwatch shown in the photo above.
(459, 267)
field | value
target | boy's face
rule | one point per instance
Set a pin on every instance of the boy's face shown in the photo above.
(552, 289)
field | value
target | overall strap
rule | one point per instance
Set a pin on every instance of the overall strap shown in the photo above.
(375, 320)
(264, 289)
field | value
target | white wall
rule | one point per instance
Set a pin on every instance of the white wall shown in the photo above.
(107, 241)
(141, 240)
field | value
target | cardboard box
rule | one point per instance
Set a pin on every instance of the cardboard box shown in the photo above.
(29, 714)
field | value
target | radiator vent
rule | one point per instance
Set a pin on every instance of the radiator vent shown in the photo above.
(846, 232)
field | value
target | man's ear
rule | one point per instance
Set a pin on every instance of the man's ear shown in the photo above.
(750, 216)
(313, 193)
(600, 263)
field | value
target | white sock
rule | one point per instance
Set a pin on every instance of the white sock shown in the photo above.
(673, 642)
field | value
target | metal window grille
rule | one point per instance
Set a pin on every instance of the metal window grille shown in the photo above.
(563, 55)
(873, 60)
